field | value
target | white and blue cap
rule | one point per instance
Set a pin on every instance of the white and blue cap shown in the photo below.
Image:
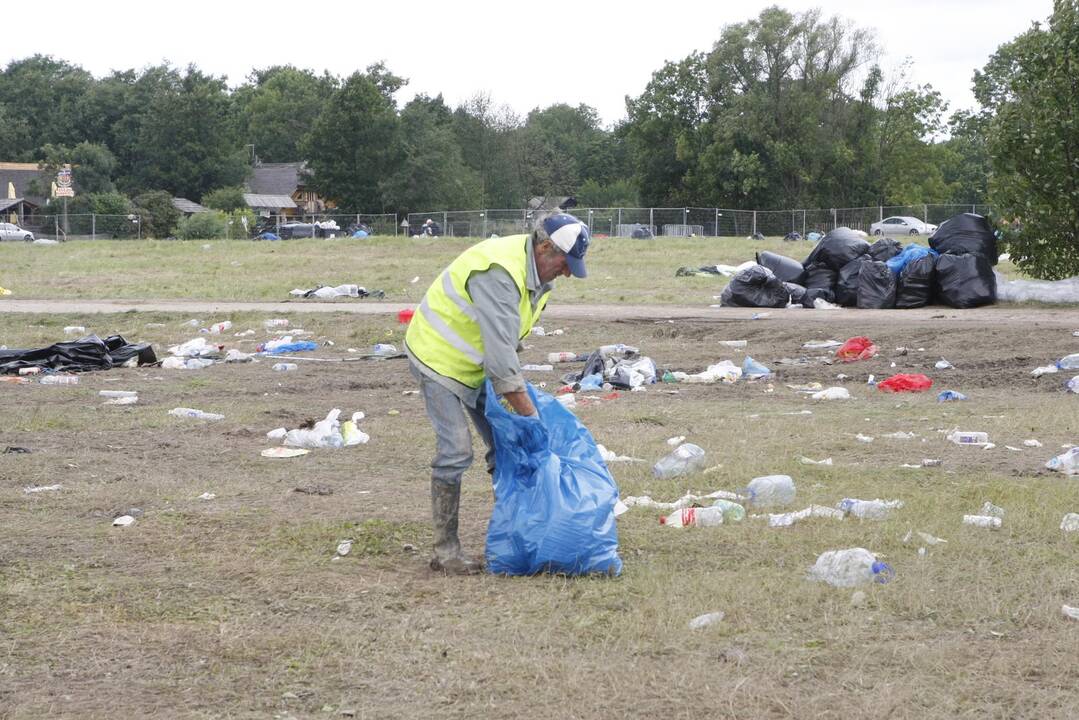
(569, 235)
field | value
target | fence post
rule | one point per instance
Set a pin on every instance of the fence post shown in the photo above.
(835, 222)
(754, 223)
(880, 213)
(717, 222)
(93, 226)
(803, 223)
(56, 227)
(484, 216)
(138, 219)
(685, 220)
(445, 224)
(652, 219)
(619, 219)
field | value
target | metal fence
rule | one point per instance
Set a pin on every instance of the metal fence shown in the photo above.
(378, 224)
(83, 226)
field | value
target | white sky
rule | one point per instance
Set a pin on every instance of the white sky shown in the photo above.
(523, 55)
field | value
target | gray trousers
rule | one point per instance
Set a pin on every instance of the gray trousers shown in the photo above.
(453, 440)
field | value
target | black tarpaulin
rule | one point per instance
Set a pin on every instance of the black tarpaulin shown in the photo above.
(82, 355)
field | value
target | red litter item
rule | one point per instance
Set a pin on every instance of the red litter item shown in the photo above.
(857, 348)
(905, 383)
(405, 316)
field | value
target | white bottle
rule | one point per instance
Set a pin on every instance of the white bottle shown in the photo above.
(218, 328)
(284, 367)
(60, 380)
(686, 458)
(868, 509)
(966, 437)
(771, 490)
(562, 357)
(194, 414)
(1069, 362)
(275, 322)
(698, 517)
(848, 568)
(982, 521)
(118, 393)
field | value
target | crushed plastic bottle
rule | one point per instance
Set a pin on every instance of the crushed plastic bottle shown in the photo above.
(753, 370)
(1073, 385)
(1070, 523)
(74, 330)
(538, 368)
(194, 414)
(698, 517)
(284, 367)
(736, 344)
(982, 521)
(563, 357)
(732, 511)
(384, 349)
(965, 437)
(275, 323)
(1067, 462)
(218, 328)
(1069, 362)
(849, 568)
(832, 393)
(771, 490)
(685, 458)
(950, 395)
(869, 509)
(59, 380)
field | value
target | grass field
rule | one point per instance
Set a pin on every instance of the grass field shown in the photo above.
(621, 270)
(236, 608)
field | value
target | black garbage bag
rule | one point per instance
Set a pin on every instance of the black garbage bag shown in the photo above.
(797, 292)
(813, 293)
(82, 355)
(755, 287)
(885, 249)
(966, 233)
(838, 248)
(793, 236)
(965, 281)
(876, 286)
(846, 286)
(642, 232)
(916, 280)
(819, 275)
(785, 268)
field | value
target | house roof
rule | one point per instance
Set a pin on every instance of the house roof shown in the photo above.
(187, 207)
(268, 202)
(21, 174)
(276, 178)
(7, 203)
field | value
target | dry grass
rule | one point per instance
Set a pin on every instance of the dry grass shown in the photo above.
(234, 608)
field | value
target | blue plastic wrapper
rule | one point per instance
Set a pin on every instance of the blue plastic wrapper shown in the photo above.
(300, 346)
(910, 252)
(751, 369)
(554, 497)
(950, 395)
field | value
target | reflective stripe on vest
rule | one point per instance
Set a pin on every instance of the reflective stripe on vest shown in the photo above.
(445, 333)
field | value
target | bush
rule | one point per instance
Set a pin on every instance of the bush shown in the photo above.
(158, 216)
(227, 199)
(202, 226)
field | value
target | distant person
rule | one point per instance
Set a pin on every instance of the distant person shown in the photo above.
(466, 331)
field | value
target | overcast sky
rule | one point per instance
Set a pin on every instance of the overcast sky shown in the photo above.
(524, 55)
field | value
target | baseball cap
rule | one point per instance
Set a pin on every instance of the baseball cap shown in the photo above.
(571, 236)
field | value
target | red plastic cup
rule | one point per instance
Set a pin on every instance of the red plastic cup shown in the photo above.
(405, 316)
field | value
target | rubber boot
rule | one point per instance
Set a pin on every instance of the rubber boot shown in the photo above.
(448, 558)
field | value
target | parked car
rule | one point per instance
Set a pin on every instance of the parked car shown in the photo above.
(11, 231)
(902, 225)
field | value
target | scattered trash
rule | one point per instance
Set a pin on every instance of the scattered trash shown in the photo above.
(963, 437)
(15, 450)
(822, 304)
(821, 344)
(564, 357)
(868, 509)
(849, 568)
(705, 620)
(982, 521)
(283, 452)
(74, 330)
(1073, 385)
(118, 393)
(286, 345)
(697, 517)
(245, 333)
(943, 364)
(950, 395)
(193, 323)
(790, 518)
(218, 328)
(771, 490)
(324, 292)
(4, 291)
(207, 496)
(1067, 462)
(569, 400)
(1069, 362)
(275, 323)
(993, 510)
(384, 349)
(29, 371)
(832, 393)
(131, 400)
(538, 368)
(1044, 370)
(925, 537)
(676, 440)
(197, 347)
(905, 383)
(29, 490)
(284, 367)
(806, 461)
(900, 435)
(182, 412)
(235, 356)
(610, 457)
(863, 438)
(733, 343)
(724, 371)
(1070, 612)
(1070, 523)
(856, 348)
(1032, 443)
(930, 462)
(685, 459)
(871, 380)
(59, 380)
(123, 521)
(732, 511)
(181, 363)
(344, 547)
(753, 370)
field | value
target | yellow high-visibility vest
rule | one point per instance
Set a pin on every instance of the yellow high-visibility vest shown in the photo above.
(444, 333)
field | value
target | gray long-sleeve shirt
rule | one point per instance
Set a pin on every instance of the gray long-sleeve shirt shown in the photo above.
(497, 303)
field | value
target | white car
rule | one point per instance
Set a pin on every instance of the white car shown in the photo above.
(901, 225)
(11, 231)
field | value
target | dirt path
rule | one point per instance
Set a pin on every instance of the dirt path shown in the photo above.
(998, 314)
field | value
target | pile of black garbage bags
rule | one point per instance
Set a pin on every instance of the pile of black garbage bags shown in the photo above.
(845, 269)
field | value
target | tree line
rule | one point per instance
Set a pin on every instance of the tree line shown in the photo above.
(787, 110)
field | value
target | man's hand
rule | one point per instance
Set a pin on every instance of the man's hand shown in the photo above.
(520, 402)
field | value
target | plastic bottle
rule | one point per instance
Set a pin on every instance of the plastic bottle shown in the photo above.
(563, 357)
(983, 521)
(868, 509)
(686, 458)
(698, 517)
(60, 380)
(538, 368)
(275, 322)
(621, 348)
(118, 393)
(284, 367)
(851, 567)
(384, 349)
(966, 437)
(1069, 362)
(732, 511)
(771, 490)
(1067, 462)
(194, 414)
(218, 328)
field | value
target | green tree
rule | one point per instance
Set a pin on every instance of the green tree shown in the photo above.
(619, 193)
(1029, 91)
(158, 215)
(14, 136)
(277, 108)
(353, 145)
(225, 199)
(965, 162)
(44, 93)
(187, 142)
(202, 226)
(488, 136)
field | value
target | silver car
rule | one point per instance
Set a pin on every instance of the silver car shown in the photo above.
(901, 225)
(11, 231)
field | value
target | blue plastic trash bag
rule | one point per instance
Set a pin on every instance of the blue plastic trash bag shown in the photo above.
(593, 382)
(360, 234)
(907, 254)
(949, 395)
(554, 505)
(752, 370)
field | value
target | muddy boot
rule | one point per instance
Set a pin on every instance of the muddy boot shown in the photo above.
(448, 558)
